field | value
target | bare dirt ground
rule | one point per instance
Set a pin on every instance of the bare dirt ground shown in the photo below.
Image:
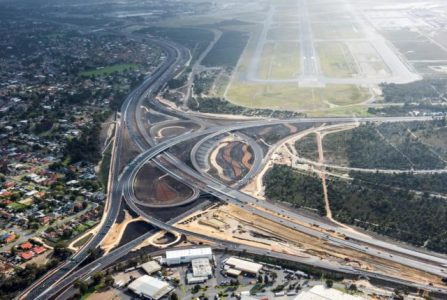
(231, 160)
(116, 232)
(112, 294)
(234, 224)
(152, 186)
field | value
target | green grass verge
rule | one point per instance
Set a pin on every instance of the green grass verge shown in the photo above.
(82, 241)
(105, 166)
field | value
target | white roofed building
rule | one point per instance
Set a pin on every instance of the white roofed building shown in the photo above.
(175, 257)
(151, 267)
(150, 287)
(320, 292)
(201, 267)
(245, 266)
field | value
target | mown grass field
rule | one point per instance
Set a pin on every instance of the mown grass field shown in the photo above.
(336, 59)
(280, 60)
(290, 96)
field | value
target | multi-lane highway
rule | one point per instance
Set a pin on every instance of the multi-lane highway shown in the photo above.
(122, 185)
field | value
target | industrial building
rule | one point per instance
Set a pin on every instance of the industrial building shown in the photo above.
(242, 265)
(191, 279)
(175, 257)
(151, 267)
(201, 267)
(150, 287)
(320, 292)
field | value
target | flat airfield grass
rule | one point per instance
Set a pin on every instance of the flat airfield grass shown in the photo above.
(337, 30)
(283, 33)
(286, 61)
(275, 96)
(344, 94)
(357, 110)
(286, 18)
(290, 96)
(280, 60)
(336, 60)
(265, 61)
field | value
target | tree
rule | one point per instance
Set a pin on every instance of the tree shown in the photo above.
(266, 279)
(173, 296)
(82, 286)
(61, 252)
(352, 288)
(329, 283)
(97, 278)
(195, 289)
(109, 281)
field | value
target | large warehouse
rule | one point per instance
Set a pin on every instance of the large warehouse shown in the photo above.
(150, 287)
(320, 292)
(243, 265)
(176, 257)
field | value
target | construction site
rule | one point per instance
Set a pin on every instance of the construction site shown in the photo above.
(231, 223)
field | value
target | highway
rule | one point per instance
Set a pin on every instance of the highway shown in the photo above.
(235, 196)
(122, 185)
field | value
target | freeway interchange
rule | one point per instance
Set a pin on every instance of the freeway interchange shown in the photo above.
(121, 187)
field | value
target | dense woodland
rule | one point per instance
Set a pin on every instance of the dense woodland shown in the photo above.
(429, 183)
(86, 146)
(419, 219)
(285, 184)
(416, 219)
(218, 105)
(307, 147)
(388, 146)
(415, 92)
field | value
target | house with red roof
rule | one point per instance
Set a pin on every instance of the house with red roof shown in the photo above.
(27, 255)
(45, 219)
(9, 184)
(11, 238)
(26, 246)
(39, 250)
